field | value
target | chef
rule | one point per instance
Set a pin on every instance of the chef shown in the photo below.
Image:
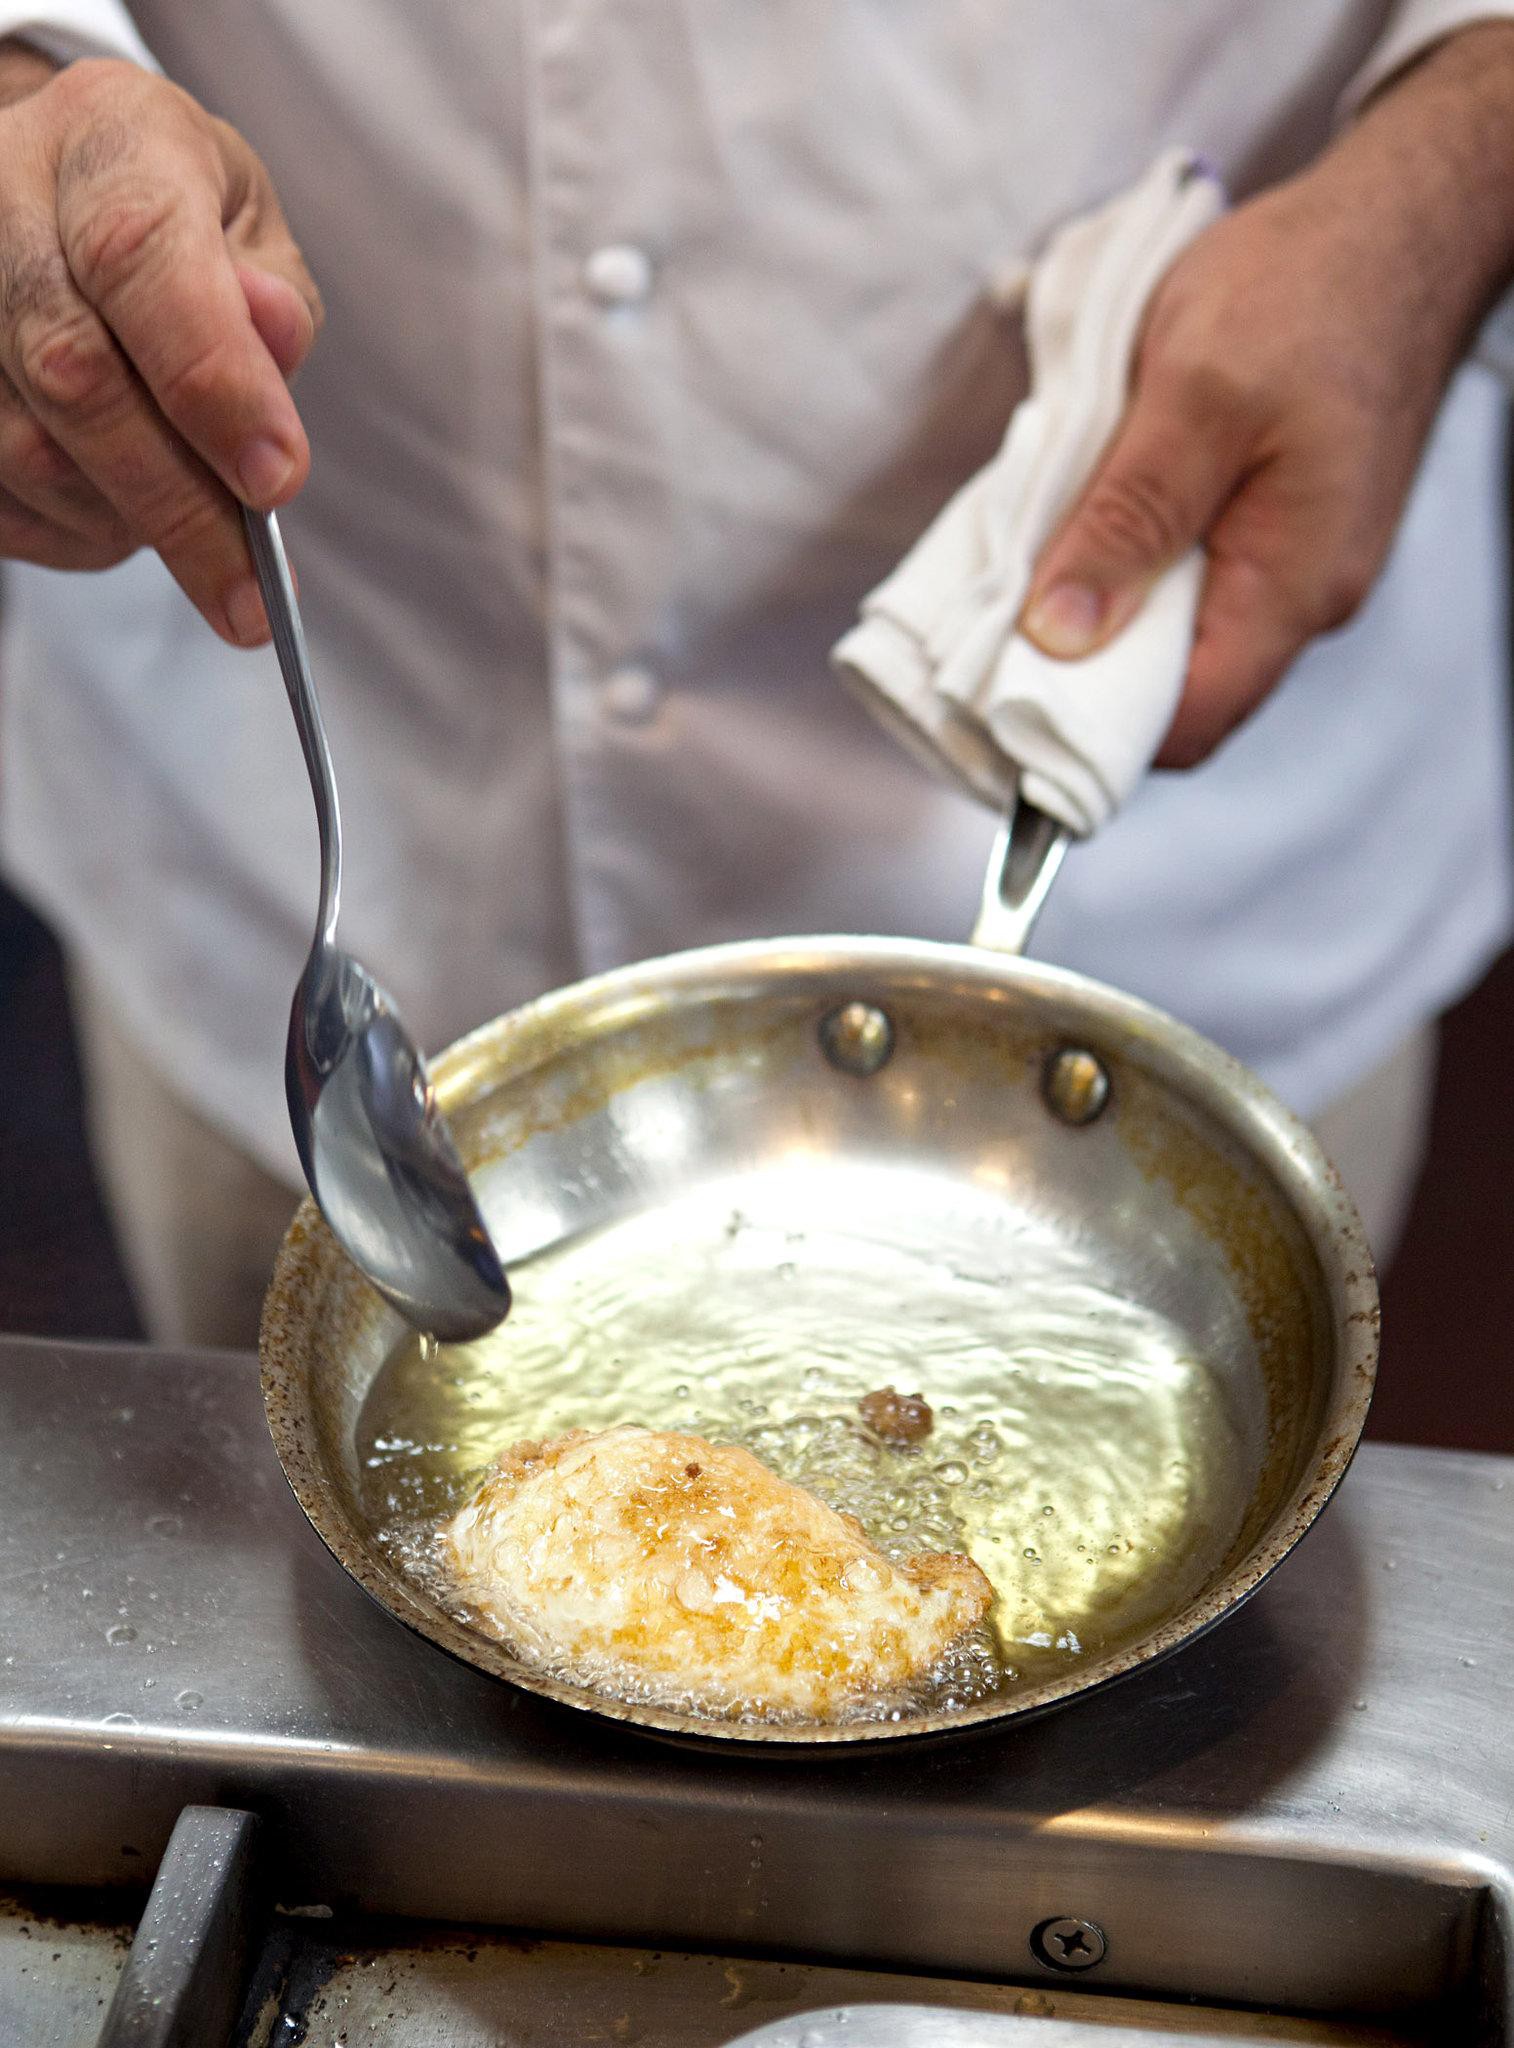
(631, 344)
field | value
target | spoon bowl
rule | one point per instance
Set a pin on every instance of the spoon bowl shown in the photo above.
(376, 1150)
(379, 1157)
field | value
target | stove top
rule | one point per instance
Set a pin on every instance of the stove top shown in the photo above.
(1309, 1813)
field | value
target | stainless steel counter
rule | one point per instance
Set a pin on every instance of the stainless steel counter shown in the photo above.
(1311, 1811)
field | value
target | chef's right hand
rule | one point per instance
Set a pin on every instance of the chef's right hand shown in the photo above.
(152, 305)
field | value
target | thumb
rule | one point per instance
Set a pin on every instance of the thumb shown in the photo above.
(1157, 490)
(285, 322)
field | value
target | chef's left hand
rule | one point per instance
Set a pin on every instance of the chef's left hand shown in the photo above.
(1289, 371)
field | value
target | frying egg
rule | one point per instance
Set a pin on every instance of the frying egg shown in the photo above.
(655, 1565)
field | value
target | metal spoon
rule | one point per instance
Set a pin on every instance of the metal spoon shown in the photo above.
(376, 1149)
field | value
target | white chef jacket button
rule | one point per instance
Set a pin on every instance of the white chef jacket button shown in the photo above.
(631, 694)
(619, 274)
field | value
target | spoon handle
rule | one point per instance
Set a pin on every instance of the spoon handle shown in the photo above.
(282, 607)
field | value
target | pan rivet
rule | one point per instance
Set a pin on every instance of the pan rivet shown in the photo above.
(1069, 1944)
(1075, 1085)
(858, 1038)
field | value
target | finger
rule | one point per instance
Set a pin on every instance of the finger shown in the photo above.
(258, 235)
(1177, 456)
(26, 536)
(281, 315)
(1284, 566)
(38, 473)
(72, 375)
(1242, 648)
(143, 234)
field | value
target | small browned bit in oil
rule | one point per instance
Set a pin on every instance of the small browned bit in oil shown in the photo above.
(898, 1418)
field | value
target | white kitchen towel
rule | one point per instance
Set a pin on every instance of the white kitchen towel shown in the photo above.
(936, 655)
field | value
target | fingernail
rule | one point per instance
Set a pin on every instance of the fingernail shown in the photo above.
(244, 613)
(264, 468)
(1065, 620)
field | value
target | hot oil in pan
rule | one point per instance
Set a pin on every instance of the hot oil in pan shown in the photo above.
(1082, 1452)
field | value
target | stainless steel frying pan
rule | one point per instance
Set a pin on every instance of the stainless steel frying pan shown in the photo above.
(736, 1186)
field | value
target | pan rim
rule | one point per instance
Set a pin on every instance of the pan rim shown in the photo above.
(1283, 1144)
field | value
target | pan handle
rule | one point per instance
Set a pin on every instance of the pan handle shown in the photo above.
(1021, 869)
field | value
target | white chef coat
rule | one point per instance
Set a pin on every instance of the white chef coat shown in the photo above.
(657, 330)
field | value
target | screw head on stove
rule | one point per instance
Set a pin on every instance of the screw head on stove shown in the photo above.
(1069, 1944)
